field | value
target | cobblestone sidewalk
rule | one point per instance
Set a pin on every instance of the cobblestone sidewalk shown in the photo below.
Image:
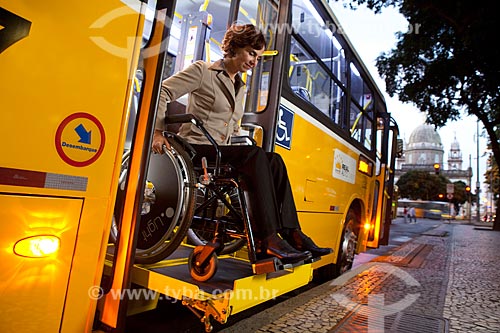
(444, 280)
(473, 293)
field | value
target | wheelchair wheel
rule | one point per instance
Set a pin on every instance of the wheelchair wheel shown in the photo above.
(167, 209)
(201, 233)
(202, 272)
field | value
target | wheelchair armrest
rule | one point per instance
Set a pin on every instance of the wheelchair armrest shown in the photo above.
(183, 118)
(191, 118)
(243, 140)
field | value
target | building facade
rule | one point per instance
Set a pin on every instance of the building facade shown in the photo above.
(424, 149)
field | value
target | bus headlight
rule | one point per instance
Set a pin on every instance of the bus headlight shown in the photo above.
(37, 246)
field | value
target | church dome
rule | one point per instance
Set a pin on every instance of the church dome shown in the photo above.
(425, 136)
(424, 147)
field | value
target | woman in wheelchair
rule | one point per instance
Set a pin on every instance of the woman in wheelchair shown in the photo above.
(215, 96)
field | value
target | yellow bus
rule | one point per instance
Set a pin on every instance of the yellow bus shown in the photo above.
(79, 90)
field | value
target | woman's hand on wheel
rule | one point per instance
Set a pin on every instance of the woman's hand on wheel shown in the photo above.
(159, 141)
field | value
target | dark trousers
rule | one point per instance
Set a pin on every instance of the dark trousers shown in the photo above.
(271, 205)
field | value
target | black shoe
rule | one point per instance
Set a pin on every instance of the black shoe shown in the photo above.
(276, 247)
(301, 242)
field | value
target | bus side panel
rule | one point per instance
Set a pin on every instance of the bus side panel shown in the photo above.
(322, 200)
(65, 88)
(33, 289)
(67, 80)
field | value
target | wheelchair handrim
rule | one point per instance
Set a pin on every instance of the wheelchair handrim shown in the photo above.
(181, 171)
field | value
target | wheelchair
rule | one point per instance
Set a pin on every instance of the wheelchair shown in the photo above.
(189, 200)
(220, 221)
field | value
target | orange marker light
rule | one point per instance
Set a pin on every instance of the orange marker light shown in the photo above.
(37, 246)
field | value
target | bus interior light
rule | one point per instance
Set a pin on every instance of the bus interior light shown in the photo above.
(37, 246)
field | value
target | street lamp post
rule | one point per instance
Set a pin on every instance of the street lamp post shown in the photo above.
(478, 189)
(490, 194)
(469, 196)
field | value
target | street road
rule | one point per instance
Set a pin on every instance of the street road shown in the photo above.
(400, 233)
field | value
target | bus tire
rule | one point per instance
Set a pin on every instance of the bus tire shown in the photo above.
(348, 242)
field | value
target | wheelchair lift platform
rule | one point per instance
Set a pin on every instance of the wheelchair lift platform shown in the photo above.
(232, 289)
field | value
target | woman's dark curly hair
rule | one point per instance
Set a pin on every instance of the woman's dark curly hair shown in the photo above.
(240, 36)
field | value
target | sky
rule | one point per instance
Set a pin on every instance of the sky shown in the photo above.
(372, 34)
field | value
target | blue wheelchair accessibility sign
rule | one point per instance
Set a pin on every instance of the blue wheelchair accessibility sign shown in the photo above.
(284, 127)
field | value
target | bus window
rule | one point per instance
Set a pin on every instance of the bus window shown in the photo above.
(361, 110)
(339, 62)
(361, 126)
(317, 61)
(264, 15)
(379, 139)
(310, 81)
(338, 65)
(369, 134)
(356, 121)
(360, 91)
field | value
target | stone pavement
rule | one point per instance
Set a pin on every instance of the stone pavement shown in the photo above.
(445, 280)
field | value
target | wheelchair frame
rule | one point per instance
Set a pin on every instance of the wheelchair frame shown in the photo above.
(217, 185)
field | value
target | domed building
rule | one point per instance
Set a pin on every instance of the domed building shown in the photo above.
(424, 149)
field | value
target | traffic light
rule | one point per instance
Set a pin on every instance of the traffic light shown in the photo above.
(436, 168)
(467, 189)
(440, 195)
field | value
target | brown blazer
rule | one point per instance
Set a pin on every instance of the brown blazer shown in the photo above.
(212, 97)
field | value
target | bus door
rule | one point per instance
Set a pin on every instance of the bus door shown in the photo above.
(66, 82)
(394, 150)
(132, 187)
(387, 151)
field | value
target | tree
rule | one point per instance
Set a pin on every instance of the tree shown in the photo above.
(460, 195)
(446, 64)
(421, 185)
